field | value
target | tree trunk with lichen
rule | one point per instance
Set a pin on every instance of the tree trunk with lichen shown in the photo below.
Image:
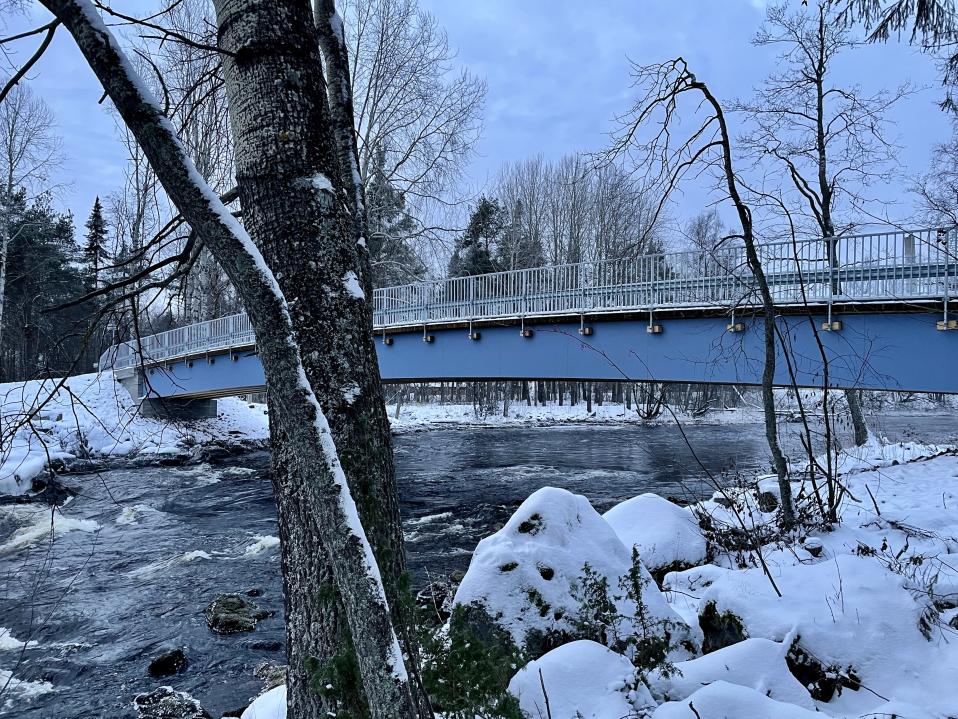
(326, 551)
(298, 208)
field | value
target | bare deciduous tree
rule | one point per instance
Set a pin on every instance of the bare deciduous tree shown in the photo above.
(829, 140)
(667, 93)
(417, 117)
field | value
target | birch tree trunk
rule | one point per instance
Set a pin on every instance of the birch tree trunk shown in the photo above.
(318, 516)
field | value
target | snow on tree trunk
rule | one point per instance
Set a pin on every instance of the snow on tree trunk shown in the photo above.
(313, 496)
(297, 205)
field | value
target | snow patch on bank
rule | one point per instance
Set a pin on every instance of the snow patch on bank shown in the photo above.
(93, 416)
(271, 705)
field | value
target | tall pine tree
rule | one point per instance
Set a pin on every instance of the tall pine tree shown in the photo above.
(95, 253)
(476, 248)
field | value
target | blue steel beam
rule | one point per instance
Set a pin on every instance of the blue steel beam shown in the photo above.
(879, 351)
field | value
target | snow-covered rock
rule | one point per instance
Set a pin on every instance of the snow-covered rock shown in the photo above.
(271, 705)
(666, 535)
(722, 700)
(581, 679)
(849, 613)
(523, 575)
(755, 663)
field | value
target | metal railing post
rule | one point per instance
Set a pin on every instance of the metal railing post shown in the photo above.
(832, 260)
(472, 298)
(946, 324)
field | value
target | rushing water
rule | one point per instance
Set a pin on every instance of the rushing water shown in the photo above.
(151, 547)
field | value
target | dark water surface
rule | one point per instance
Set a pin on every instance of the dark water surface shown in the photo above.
(102, 600)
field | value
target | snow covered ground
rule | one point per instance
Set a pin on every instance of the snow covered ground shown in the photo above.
(414, 416)
(425, 416)
(92, 416)
(876, 608)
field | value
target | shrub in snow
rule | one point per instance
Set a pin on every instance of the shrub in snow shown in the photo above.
(581, 679)
(647, 639)
(667, 536)
(719, 629)
(524, 575)
(467, 665)
(736, 520)
(755, 663)
(722, 700)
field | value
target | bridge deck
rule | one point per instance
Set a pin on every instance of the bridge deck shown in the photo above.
(872, 273)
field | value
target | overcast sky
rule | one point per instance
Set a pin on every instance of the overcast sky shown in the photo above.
(557, 71)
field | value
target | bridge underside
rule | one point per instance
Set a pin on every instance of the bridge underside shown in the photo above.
(871, 350)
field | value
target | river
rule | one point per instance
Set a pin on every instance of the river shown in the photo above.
(151, 547)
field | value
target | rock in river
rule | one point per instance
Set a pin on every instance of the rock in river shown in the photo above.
(168, 663)
(165, 703)
(231, 613)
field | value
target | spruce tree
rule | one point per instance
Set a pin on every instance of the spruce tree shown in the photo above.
(475, 249)
(95, 254)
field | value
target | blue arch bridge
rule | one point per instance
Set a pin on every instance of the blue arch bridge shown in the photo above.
(866, 311)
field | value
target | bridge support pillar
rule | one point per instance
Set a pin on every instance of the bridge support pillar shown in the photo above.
(177, 409)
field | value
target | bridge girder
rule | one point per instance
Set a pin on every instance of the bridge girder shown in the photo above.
(873, 350)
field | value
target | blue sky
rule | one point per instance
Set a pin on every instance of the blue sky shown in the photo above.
(557, 71)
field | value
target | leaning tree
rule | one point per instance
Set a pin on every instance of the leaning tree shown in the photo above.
(304, 279)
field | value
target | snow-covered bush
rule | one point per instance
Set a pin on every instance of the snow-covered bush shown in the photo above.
(523, 576)
(845, 616)
(755, 663)
(722, 700)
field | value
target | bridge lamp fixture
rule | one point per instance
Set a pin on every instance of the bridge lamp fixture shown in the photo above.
(189, 364)
(211, 360)
(735, 327)
(388, 341)
(475, 335)
(655, 329)
(234, 357)
(946, 325)
(429, 338)
(832, 326)
(583, 330)
(526, 332)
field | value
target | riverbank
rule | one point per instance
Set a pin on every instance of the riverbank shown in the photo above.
(416, 417)
(855, 620)
(93, 417)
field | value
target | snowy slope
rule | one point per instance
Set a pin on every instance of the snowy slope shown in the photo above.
(94, 416)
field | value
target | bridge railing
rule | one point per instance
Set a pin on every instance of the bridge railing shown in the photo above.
(881, 266)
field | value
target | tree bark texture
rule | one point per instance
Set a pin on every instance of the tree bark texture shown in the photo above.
(312, 494)
(300, 211)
